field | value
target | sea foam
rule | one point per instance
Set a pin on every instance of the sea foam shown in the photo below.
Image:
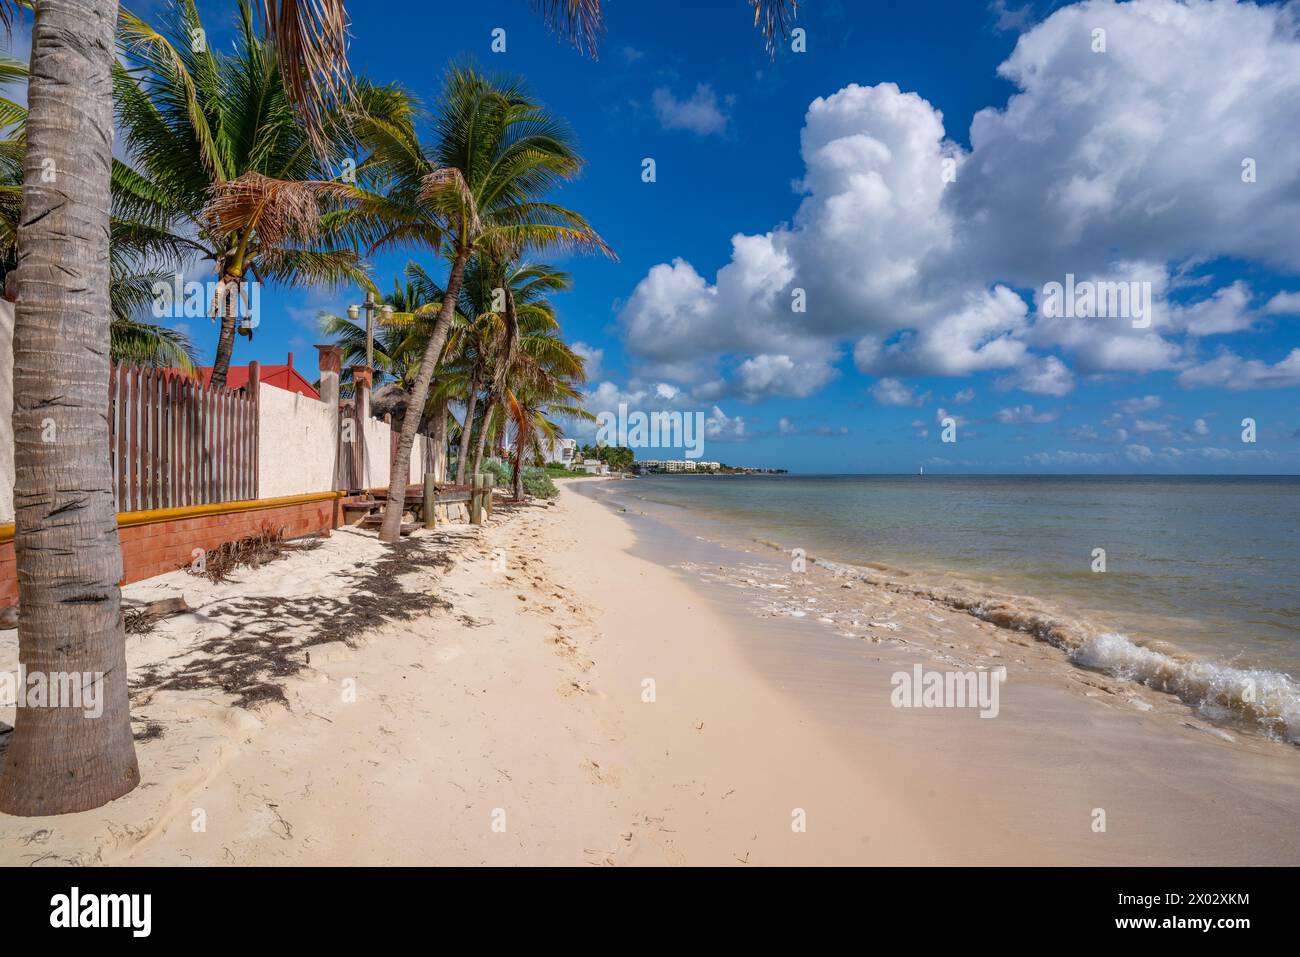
(1266, 699)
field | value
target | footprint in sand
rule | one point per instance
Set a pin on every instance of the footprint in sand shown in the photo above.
(610, 777)
(571, 688)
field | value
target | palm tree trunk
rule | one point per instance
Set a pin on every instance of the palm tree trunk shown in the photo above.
(226, 339)
(67, 758)
(440, 441)
(483, 432)
(391, 529)
(509, 348)
(518, 475)
(470, 405)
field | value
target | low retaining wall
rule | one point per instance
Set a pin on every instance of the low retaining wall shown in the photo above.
(453, 513)
(164, 540)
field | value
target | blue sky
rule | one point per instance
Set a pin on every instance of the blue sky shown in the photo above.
(923, 282)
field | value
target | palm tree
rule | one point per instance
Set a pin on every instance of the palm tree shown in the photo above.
(479, 347)
(531, 409)
(581, 20)
(134, 343)
(495, 152)
(218, 154)
(529, 344)
(69, 562)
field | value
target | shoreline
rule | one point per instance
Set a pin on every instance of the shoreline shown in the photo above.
(1251, 697)
(510, 725)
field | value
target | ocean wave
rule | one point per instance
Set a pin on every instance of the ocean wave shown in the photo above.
(1267, 700)
(1263, 700)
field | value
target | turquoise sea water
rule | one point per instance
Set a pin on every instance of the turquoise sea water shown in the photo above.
(1209, 563)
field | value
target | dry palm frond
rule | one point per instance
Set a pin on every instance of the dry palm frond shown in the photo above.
(773, 18)
(138, 621)
(311, 44)
(276, 208)
(446, 187)
(579, 20)
(256, 550)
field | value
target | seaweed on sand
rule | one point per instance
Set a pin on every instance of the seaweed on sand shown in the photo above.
(253, 551)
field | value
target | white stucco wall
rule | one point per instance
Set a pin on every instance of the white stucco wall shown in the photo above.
(296, 455)
(296, 444)
(378, 459)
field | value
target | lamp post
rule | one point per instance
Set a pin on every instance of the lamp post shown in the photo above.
(354, 313)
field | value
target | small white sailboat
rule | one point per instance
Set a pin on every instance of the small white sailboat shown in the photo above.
(921, 474)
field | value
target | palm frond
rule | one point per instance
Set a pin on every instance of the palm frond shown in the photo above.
(278, 209)
(311, 44)
(773, 18)
(144, 344)
(579, 21)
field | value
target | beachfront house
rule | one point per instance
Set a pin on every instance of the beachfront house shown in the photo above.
(565, 452)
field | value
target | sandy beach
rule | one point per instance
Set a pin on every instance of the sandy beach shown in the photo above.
(570, 685)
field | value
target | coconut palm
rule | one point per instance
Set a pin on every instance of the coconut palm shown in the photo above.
(536, 347)
(531, 408)
(477, 346)
(581, 20)
(476, 190)
(398, 347)
(65, 538)
(219, 155)
(134, 343)
(398, 343)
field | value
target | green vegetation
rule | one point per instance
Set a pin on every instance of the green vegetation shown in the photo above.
(537, 481)
(618, 458)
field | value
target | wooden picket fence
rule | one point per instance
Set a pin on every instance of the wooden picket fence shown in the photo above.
(175, 442)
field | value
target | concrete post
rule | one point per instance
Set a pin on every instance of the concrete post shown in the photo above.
(330, 361)
(331, 365)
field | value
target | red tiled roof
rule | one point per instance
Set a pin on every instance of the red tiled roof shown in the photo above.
(281, 376)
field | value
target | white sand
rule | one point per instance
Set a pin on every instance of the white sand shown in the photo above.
(511, 728)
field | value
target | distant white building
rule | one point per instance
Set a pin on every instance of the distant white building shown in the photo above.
(564, 453)
(593, 467)
(675, 465)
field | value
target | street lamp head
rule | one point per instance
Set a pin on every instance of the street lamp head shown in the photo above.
(354, 312)
(386, 314)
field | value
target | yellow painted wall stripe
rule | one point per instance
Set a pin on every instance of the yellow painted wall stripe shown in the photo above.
(154, 516)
